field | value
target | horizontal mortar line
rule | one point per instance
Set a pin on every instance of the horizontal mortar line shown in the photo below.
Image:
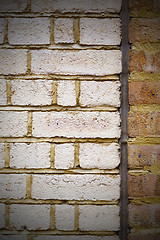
(57, 15)
(145, 108)
(144, 140)
(58, 140)
(137, 171)
(148, 229)
(144, 200)
(55, 232)
(61, 47)
(57, 108)
(60, 77)
(55, 202)
(58, 171)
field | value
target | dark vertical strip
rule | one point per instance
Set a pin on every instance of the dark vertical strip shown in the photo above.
(124, 114)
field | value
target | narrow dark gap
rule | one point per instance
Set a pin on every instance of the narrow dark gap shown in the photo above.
(124, 15)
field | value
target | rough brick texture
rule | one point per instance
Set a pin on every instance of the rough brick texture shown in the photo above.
(66, 93)
(3, 95)
(64, 156)
(13, 5)
(13, 237)
(2, 214)
(64, 217)
(63, 31)
(2, 155)
(76, 187)
(2, 26)
(79, 124)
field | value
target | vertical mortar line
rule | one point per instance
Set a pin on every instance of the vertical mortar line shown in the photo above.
(7, 212)
(54, 92)
(76, 221)
(6, 31)
(52, 32)
(29, 124)
(76, 157)
(78, 85)
(52, 157)
(124, 14)
(9, 92)
(29, 6)
(7, 155)
(29, 62)
(52, 217)
(76, 30)
(29, 185)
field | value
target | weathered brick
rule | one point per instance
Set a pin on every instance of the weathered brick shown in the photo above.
(147, 215)
(29, 31)
(32, 92)
(99, 31)
(2, 155)
(93, 6)
(31, 217)
(35, 155)
(143, 186)
(144, 30)
(143, 155)
(76, 124)
(75, 237)
(12, 186)
(63, 30)
(66, 93)
(2, 214)
(64, 217)
(144, 92)
(13, 61)
(144, 124)
(144, 236)
(144, 8)
(64, 156)
(81, 62)
(99, 218)
(3, 94)
(2, 26)
(13, 5)
(93, 93)
(102, 156)
(76, 187)
(13, 124)
(144, 62)
(13, 237)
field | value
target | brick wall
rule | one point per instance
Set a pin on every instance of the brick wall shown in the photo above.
(60, 121)
(143, 121)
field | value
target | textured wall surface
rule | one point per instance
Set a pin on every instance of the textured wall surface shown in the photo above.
(144, 121)
(60, 63)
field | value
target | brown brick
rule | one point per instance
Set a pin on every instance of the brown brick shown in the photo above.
(143, 155)
(141, 7)
(144, 92)
(144, 30)
(141, 61)
(141, 236)
(144, 215)
(143, 186)
(144, 124)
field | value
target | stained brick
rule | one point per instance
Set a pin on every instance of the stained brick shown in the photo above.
(13, 5)
(2, 26)
(145, 236)
(3, 94)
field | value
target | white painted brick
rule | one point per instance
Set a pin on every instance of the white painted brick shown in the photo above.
(76, 187)
(3, 94)
(81, 62)
(13, 124)
(94, 93)
(2, 215)
(13, 237)
(31, 92)
(13, 5)
(13, 61)
(35, 155)
(63, 30)
(95, 6)
(2, 155)
(13, 186)
(102, 156)
(100, 31)
(99, 218)
(76, 124)
(64, 217)
(64, 156)
(2, 25)
(75, 237)
(31, 217)
(66, 93)
(29, 31)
